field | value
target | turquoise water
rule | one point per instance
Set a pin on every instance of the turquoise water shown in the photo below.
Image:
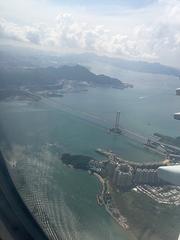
(75, 124)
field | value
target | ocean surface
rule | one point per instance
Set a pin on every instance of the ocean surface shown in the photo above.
(33, 135)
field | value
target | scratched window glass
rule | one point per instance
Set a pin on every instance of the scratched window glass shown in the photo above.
(89, 120)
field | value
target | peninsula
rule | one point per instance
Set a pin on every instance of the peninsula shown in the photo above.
(129, 191)
(25, 83)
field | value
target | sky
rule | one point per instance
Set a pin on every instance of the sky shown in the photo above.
(146, 30)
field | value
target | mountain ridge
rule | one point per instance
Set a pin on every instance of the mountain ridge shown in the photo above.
(27, 57)
(39, 77)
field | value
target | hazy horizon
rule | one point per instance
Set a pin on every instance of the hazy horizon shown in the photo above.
(136, 30)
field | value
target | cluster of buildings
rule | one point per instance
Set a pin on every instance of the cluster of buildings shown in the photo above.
(146, 176)
(123, 175)
(97, 166)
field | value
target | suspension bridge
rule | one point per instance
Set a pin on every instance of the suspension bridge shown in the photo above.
(96, 120)
(152, 141)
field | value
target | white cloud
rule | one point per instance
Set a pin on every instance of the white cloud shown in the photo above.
(149, 39)
(11, 31)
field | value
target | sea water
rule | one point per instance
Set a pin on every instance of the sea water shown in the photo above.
(78, 123)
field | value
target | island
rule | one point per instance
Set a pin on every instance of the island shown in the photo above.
(51, 82)
(76, 161)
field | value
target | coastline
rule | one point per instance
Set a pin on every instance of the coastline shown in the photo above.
(101, 180)
(121, 221)
(110, 208)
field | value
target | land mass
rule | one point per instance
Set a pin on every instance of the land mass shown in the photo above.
(77, 161)
(29, 57)
(132, 194)
(52, 78)
(169, 140)
(147, 218)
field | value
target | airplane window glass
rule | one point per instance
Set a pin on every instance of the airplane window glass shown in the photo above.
(89, 120)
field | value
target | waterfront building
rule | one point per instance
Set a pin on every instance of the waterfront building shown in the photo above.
(122, 176)
(146, 176)
(111, 168)
(96, 166)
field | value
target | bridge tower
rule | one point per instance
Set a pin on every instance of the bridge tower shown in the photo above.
(177, 115)
(116, 126)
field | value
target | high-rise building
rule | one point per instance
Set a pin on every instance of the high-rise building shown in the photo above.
(146, 176)
(122, 176)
